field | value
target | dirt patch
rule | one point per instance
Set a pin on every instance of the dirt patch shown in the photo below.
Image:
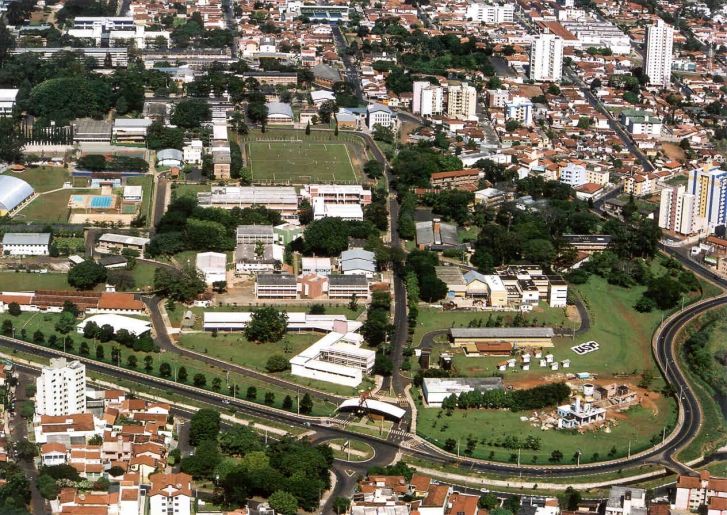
(674, 152)
(572, 314)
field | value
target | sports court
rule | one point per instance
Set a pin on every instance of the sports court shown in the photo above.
(300, 162)
(92, 202)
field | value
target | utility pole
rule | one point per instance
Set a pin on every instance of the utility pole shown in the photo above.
(297, 398)
(663, 434)
(518, 457)
(629, 448)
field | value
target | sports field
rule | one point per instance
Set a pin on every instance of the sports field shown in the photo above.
(300, 162)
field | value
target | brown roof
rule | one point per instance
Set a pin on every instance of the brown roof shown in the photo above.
(463, 504)
(421, 482)
(494, 347)
(113, 300)
(718, 503)
(50, 447)
(180, 484)
(467, 172)
(688, 482)
(436, 496)
(717, 484)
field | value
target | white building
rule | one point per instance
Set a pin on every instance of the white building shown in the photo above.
(26, 244)
(61, 388)
(379, 114)
(134, 326)
(708, 184)
(170, 494)
(428, 99)
(335, 358)
(212, 266)
(641, 123)
(677, 210)
(579, 414)
(109, 31)
(193, 152)
(436, 389)
(323, 209)
(316, 265)
(358, 261)
(278, 198)
(658, 58)
(624, 500)
(573, 175)
(521, 110)
(338, 193)
(461, 101)
(490, 14)
(7, 101)
(546, 58)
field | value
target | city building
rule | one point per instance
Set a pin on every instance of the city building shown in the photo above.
(338, 193)
(325, 209)
(7, 101)
(573, 175)
(546, 58)
(26, 244)
(276, 286)
(461, 101)
(61, 388)
(357, 261)
(520, 109)
(110, 32)
(694, 492)
(14, 193)
(316, 265)
(427, 99)
(193, 152)
(170, 494)
(658, 57)
(335, 358)
(316, 12)
(539, 337)
(212, 266)
(641, 123)
(466, 179)
(436, 389)
(490, 14)
(279, 113)
(170, 157)
(278, 198)
(625, 500)
(252, 234)
(436, 235)
(131, 130)
(379, 114)
(342, 286)
(114, 243)
(708, 184)
(677, 210)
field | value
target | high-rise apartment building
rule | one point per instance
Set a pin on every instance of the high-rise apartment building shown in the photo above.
(677, 210)
(657, 62)
(708, 184)
(427, 99)
(546, 58)
(461, 101)
(61, 388)
(490, 14)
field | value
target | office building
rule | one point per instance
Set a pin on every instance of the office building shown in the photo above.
(676, 210)
(708, 184)
(546, 58)
(461, 101)
(520, 109)
(573, 175)
(625, 500)
(428, 99)
(61, 388)
(658, 57)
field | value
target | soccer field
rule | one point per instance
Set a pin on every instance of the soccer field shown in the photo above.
(300, 162)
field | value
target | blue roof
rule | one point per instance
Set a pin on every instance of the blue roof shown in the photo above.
(13, 192)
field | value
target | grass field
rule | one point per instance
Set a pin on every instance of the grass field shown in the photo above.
(43, 178)
(50, 208)
(489, 426)
(300, 162)
(22, 281)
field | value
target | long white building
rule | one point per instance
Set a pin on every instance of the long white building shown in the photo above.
(61, 388)
(546, 58)
(278, 198)
(676, 210)
(658, 59)
(490, 14)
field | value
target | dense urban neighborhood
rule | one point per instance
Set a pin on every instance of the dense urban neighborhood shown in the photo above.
(427, 257)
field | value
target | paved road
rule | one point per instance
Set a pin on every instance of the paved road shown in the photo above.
(19, 431)
(352, 76)
(160, 200)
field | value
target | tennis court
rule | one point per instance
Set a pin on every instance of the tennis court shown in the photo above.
(300, 162)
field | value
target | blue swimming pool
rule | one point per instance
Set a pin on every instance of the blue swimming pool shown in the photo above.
(101, 202)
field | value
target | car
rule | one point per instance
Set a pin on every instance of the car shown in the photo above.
(225, 401)
(484, 490)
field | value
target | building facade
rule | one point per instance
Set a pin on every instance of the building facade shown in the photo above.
(461, 101)
(61, 388)
(546, 58)
(708, 184)
(658, 58)
(676, 210)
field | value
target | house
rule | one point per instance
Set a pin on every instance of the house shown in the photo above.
(26, 244)
(436, 235)
(436, 389)
(279, 113)
(358, 261)
(14, 193)
(578, 414)
(110, 243)
(436, 500)
(53, 453)
(67, 428)
(171, 493)
(640, 122)
(693, 492)
(212, 266)
(490, 197)
(170, 157)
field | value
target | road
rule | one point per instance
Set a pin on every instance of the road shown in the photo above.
(19, 431)
(352, 76)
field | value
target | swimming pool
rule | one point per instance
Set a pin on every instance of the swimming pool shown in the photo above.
(101, 202)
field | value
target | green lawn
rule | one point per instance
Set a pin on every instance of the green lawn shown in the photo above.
(50, 208)
(22, 281)
(181, 190)
(300, 162)
(489, 426)
(43, 178)
(143, 274)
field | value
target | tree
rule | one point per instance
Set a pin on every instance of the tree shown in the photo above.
(25, 450)
(307, 129)
(47, 487)
(251, 393)
(148, 363)
(131, 361)
(206, 458)
(326, 110)
(190, 113)
(182, 374)
(512, 125)
(66, 323)
(257, 112)
(512, 504)
(570, 499)
(373, 169)
(7, 327)
(277, 363)
(86, 275)
(266, 325)
(99, 352)
(341, 505)
(204, 425)
(11, 138)
(199, 380)
(216, 384)
(283, 502)
(14, 309)
(180, 285)
(269, 398)
(165, 370)
(239, 441)
(288, 402)
(83, 349)
(306, 404)
(488, 501)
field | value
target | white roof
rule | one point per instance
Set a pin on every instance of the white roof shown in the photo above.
(380, 406)
(321, 95)
(8, 95)
(296, 320)
(211, 262)
(118, 322)
(13, 192)
(495, 283)
(279, 109)
(219, 131)
(132, 123)
(26, 238)
(133, 191)
(124, 239)
(316, 262)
